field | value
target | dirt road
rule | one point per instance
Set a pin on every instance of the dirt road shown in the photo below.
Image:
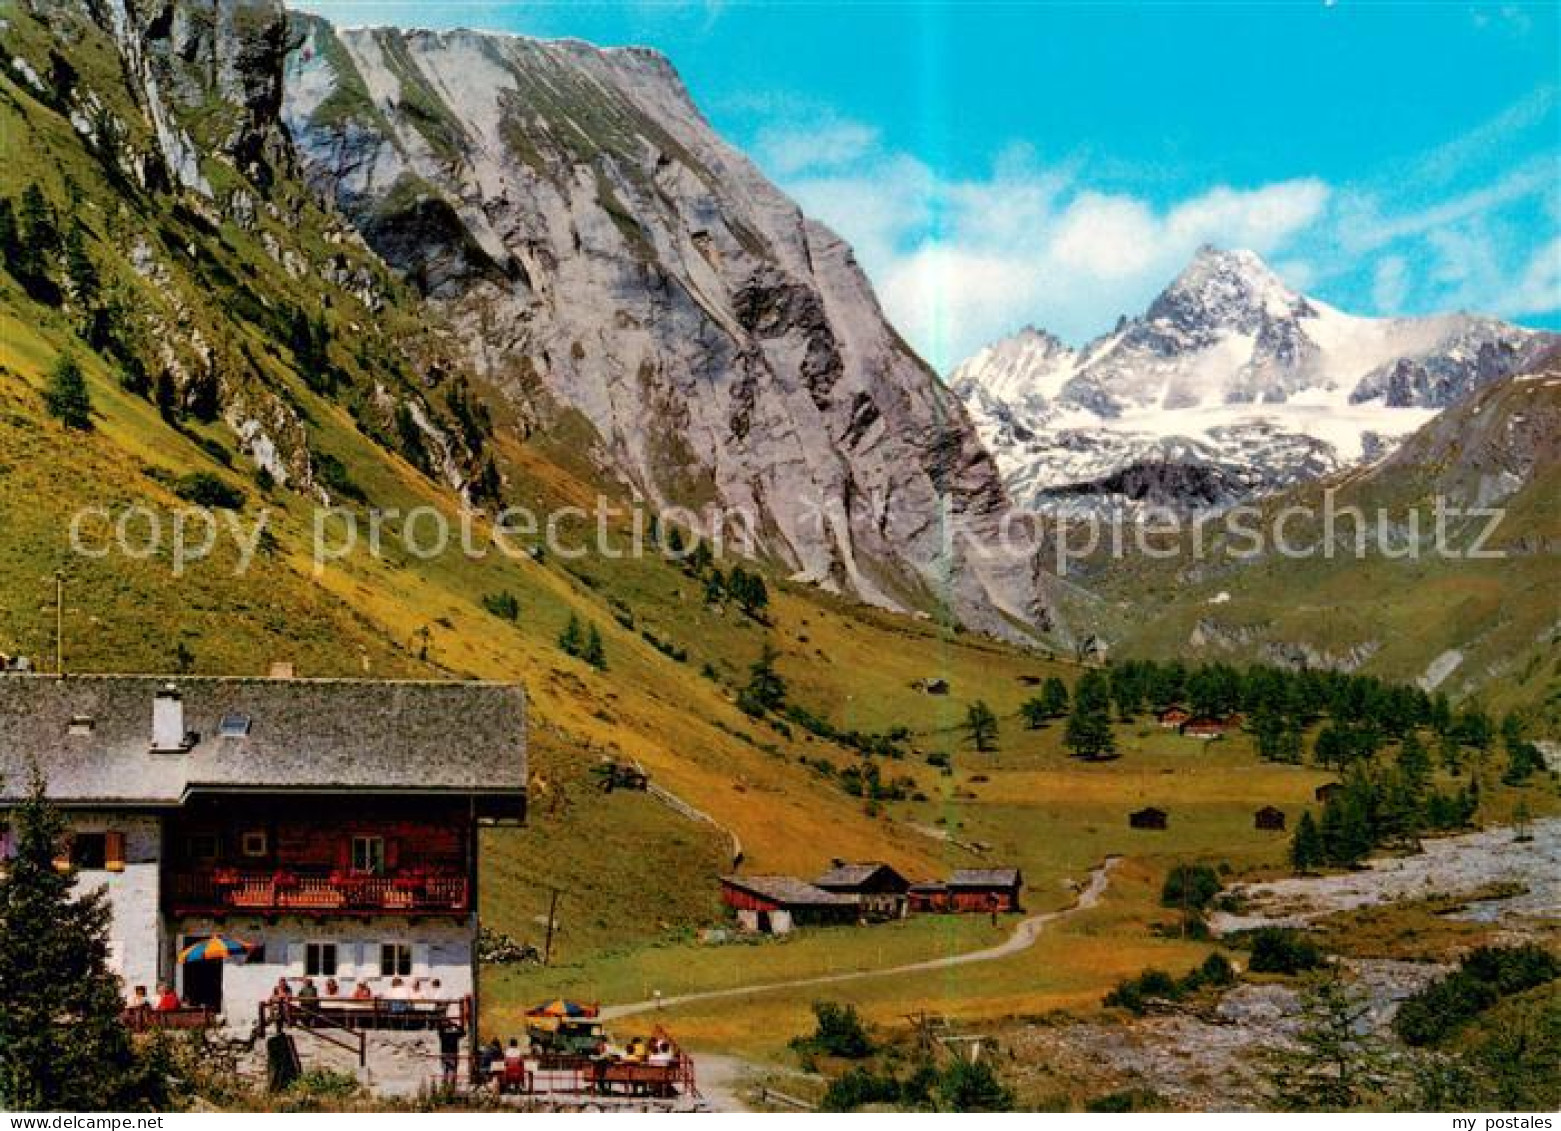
(1023, 937)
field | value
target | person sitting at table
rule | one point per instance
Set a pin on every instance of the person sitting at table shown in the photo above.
(490, 1058)
(166, 998)
(281, 991)
(331, 988)
(362, 991)
(308, 993)
(139, 1000)
(660, 1052)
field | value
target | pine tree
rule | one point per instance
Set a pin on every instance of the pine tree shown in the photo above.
(572, 639)
(1306, 846)
(62, 1044)
(594, 653)
(10, 235)
(1089, 733)
(1335, 1062)
(1054, 697)
(66, 397)
(40, 228)
(1413, 762)
(83, 272)
(981, 724)
(766, 690)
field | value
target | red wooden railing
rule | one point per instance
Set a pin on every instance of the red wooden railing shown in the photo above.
(272, 891)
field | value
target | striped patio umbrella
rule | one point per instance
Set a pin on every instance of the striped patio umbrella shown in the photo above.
(558, 1007)
(215, 949)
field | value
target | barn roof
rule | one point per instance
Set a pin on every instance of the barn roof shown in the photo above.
(91, 737)
(984, 878)
(787, 890)
(853, 875)
(1147, 810)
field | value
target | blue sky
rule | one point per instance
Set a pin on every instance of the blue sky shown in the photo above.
(998, 164)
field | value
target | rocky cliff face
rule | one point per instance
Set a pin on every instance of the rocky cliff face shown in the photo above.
(605, 256)
(1230, 384)
(219, 276)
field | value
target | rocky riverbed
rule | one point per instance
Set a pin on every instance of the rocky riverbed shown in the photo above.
(1212, 1059)
(1448, 866)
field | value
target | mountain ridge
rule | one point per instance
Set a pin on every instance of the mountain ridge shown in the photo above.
(723, 346)
(1267, 385)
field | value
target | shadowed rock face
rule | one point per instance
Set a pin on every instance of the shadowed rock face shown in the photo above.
(572, 214)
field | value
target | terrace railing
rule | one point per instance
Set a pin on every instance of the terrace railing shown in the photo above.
(286, 891)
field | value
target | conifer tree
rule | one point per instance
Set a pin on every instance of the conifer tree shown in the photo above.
(66, 397)
(1054, 697)
(1306, 845)
(83, 273)
(766, 690)
(63, 1046)
(594, 653)
(572, 639)
(1089, 732)
(981, 724)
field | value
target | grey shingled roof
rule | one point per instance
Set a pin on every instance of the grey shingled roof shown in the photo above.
(984, 878)
(320, 735)
(787, 890)
(850, 875)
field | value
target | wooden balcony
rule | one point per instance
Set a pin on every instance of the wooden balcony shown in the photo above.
(224, 891)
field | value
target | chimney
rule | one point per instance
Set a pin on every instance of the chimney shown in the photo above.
(282, 669)
(168, 734)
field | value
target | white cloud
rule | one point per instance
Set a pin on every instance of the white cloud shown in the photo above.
(1538, 291)
(789, 150)
(1390, 284)
(959, 262)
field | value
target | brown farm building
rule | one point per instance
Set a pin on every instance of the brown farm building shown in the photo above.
(776, 904)
(930, 896)
(1173, 717)
(1326, 791)
(985, 889)
(1204, 726)
(1148, 818)
(1269, 817)
(879, 891)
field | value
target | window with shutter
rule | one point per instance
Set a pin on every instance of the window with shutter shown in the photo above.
(114, 851)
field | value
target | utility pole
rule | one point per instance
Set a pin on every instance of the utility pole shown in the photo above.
(59, 622)
(552, 910)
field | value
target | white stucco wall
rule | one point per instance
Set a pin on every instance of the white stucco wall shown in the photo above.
(441, 949)
(135, 939)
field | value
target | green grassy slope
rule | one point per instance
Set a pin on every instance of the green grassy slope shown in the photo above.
(1495, 619)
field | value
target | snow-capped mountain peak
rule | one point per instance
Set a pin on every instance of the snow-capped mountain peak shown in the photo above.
(1263, 385)
(1222, 289)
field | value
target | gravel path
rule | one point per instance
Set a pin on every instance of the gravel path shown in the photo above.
(1023, 938)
